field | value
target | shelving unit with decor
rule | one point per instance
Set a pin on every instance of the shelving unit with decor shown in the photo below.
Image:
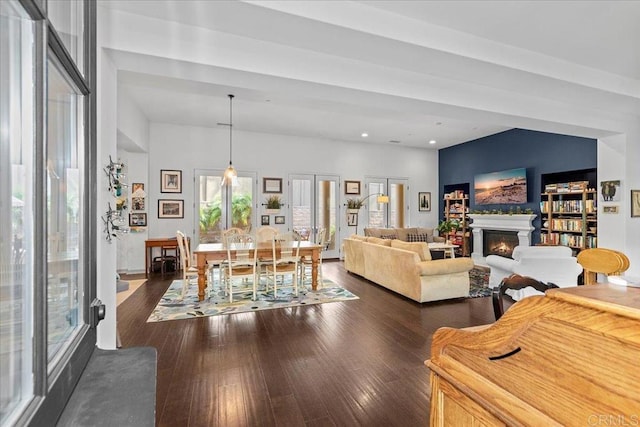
(456, 207)
(570, 216)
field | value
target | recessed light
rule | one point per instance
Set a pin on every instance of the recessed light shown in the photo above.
(364, 134)
(433, 141)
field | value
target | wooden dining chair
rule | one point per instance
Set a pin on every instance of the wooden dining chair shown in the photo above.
(266, 233)
(189, 270)
(306, 263)
(515, 282)
(604, 261)
(241, 265)
(285, 250)
(231, 231)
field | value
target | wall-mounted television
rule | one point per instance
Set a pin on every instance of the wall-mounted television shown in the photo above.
(499, 188)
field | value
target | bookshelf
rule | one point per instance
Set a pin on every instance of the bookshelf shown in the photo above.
(569, 216)
(456, 206)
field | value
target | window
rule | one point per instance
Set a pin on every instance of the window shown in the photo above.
(16, 220)
(45, 285)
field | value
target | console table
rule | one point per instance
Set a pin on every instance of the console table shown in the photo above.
(157, 242)
(567, 358)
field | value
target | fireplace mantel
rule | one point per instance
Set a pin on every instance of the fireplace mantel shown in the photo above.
(522, 223)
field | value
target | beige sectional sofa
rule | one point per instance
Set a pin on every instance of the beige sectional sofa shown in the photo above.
(409, 234)
(407, 268)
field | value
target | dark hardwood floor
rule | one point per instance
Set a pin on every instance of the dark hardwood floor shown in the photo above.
(345, 363)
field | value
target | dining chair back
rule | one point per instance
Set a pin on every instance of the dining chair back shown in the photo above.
(266, 233)
(241, 263)
(231, 231)
(515, 282)
(189, 270)
(285, 250)
(604, 261)
(306, 263)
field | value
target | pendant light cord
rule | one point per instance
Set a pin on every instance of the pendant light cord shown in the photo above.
(230, 128)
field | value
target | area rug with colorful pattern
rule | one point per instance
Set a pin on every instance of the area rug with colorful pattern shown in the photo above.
(173, 307)
(479, 282)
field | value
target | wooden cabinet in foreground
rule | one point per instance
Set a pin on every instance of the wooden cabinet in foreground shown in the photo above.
(567, 358)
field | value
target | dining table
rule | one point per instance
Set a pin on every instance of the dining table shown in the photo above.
(217, 252)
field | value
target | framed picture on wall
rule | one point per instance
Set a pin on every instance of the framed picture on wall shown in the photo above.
(424, 202)
(264, 220)
(137, 220)
(352, 187)
(272, 185)
(352, 219)
(170, 181)
(635, 203)
(279, 219)
(170, 208)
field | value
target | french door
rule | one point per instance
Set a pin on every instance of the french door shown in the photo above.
(220, 208)
(392, 214)
(314, 205)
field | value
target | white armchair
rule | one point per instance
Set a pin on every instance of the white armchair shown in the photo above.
(555, 264)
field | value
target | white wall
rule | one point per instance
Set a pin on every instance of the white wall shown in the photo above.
(106, 252)
(130, 247)
(618, 158)
(189, 148)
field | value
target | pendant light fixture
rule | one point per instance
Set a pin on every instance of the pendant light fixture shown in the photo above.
(230, 176)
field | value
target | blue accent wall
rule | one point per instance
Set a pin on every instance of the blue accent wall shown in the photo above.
(538, 152)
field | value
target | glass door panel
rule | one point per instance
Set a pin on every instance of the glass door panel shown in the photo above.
(314, 204)
(398, 209)
(377, 212)
(65, 130)
(17, 148)
(220, 207)
(392, 214)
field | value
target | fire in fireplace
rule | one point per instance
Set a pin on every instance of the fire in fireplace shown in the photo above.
(499, 242)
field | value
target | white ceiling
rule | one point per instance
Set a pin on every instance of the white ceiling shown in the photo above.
(407, 71)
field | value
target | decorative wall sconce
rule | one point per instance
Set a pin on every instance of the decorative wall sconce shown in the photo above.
(115, 174)
(113, 220)
(114, 224)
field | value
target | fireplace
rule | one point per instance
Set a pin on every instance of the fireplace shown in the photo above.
(499, 242)
(519, 224)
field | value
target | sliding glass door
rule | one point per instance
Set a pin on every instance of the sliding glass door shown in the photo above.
(47, 149)
(314, 205)
(392, 214)
(220, 208)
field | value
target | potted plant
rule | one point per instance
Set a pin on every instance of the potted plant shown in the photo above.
(447, 226)
(354, 205)
(274, 203)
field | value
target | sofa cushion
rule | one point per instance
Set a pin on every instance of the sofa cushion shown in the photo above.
(358, 237)
(402, 233)
(427, 231)
(379, 241)
(421, 248)
(372, 232)
(417, 237)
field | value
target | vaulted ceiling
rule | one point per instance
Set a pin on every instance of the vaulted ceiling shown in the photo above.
(405, 72)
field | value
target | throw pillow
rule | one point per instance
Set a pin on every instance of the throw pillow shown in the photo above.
(417, 237)
(388, 236)
(428, 232)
